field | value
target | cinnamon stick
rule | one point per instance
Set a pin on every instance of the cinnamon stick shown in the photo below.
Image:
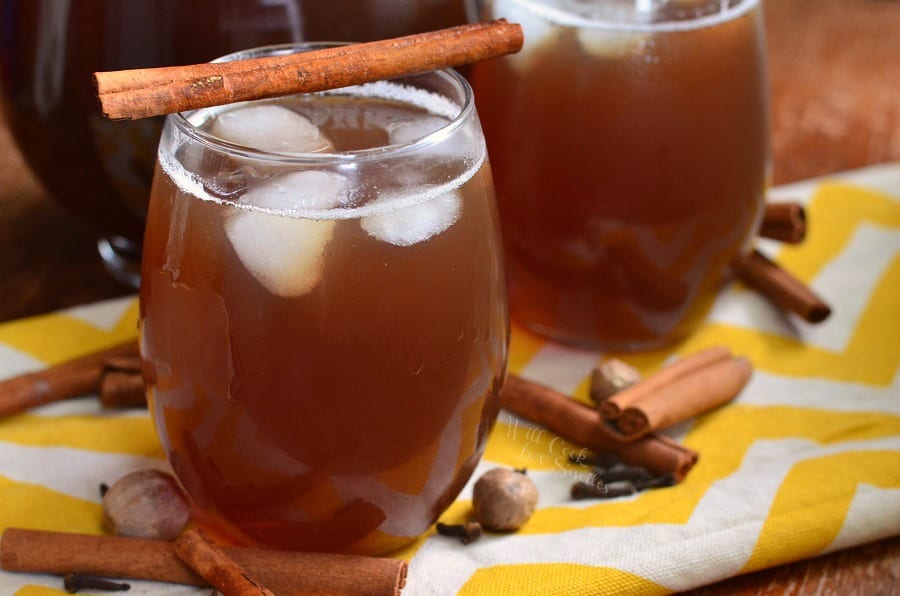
(785, 222)
(687, 396)
(612, 408)
(216, 567)
(286, 573)
(131, 94)
(79, 376)
(580, 424)
(780, 287)
(130, 363)
(122, 389)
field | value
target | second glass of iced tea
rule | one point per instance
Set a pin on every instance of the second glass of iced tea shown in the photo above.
(629, 141)
(323, 310)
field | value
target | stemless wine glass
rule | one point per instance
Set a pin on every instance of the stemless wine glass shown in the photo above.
(629, 140)
(323, 309)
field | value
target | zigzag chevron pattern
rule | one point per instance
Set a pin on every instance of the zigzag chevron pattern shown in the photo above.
(806, 461)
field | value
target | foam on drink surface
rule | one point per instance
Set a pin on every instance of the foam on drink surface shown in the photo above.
(438, 107)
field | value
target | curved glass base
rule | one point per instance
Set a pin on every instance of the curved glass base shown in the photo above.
(122, 258)
(596, 344)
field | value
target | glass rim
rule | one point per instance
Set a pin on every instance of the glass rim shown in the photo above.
(564, 18)
(466, 111)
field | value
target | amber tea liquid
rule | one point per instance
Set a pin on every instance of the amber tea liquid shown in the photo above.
(630, 161)
(327, 343)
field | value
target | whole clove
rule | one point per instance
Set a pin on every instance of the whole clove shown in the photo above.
(75, 582)
(467, 533)
(619, 472)
(663, 481)
(586, 490)
(598, 460)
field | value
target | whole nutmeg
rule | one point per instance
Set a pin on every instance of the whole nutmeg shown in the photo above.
(146, 504)
(504, 499)
(611, 377)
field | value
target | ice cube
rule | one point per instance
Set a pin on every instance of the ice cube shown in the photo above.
(286, 254)
(270, 127)
(453, 145)
(602, 43)
(536, 28)
(404, 131)
(414, 223)
(300, 191)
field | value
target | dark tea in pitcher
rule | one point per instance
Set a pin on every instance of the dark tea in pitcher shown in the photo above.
(50, 48)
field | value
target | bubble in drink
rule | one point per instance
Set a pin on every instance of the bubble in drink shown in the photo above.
(270, 128)
(285, 254)
(414, 223)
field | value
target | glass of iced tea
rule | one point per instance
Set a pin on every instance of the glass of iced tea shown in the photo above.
(323, 309)
(629, 141)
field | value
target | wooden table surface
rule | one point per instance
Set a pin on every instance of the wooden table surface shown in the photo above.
(835, 81)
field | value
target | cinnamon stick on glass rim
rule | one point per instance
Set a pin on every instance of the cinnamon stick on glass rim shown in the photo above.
(139, 93)
(779, 286)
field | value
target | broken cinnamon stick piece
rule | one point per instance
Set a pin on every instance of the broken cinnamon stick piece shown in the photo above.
(580, 424)
(613, 407)
(286, 573)
(779, 286)
(80, 376)
(785, 222)
(121, 389)
(687, 396)
(131, 94)
(216, 567)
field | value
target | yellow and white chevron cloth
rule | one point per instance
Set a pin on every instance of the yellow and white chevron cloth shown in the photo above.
(805, 461)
